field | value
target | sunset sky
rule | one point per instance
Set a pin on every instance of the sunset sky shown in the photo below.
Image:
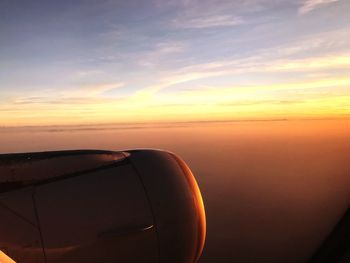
(76, 62)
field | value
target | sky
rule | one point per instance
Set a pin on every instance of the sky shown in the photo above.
(90, 62)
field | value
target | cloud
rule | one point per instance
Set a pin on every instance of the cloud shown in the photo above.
(97, 90)
(253, 64)
(310, 5)
(319, 43)
(50, 100)
(169, 47)
(258, 102)
(208, 22)
(90, 94)
(309, 55)
(302, 85)
(83, 74)
(316, 63)
(159, 53)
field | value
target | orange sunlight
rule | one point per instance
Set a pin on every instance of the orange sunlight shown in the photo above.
(5, 259)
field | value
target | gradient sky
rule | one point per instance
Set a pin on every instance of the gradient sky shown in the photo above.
(73, 62)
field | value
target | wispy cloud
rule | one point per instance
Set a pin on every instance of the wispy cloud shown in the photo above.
(169, 47)
(313, 55)
(97, 90)
(88, 94)
(310, 5)
(160, 51)
(56, 100)
(208, 22)
(253, 64)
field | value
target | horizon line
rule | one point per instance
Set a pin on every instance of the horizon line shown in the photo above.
(4, 127)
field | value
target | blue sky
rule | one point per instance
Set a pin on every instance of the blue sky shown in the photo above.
(109, 61)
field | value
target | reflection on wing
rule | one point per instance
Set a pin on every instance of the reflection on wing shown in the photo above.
(5, 259)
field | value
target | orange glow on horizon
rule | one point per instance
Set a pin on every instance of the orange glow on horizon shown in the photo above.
(313, 100)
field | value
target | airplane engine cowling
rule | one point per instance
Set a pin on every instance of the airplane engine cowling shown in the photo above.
(176, 203)
(100, 206)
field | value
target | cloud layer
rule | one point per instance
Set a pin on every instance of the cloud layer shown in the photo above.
(310, 5)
